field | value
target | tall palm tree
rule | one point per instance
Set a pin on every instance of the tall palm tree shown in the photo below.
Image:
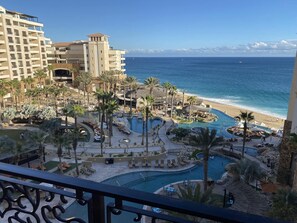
(3, 92)
(50, 69)
(67, 110)
(246, 117)
(39, 138)
(172, 92)
(192, 100)
(104, 97)
(13, 86)
(147, 103)
(60, 141)
(75, 111)
(133, 89)
(104, 78)
(55, 91)
(151, 83)
(206, 139)
(130, 81)
(166, 86)
(85, 78)
(27, 82)
(111, 107)
(40, 75)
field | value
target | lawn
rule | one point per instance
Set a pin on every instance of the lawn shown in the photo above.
(52, 164)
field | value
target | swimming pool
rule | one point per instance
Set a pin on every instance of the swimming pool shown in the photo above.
(136, 123)
(248, 150)
(221, 125)
(150, 181)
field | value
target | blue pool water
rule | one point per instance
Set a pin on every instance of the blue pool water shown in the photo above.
(221, 125)
(248, 150)
(150, 181)
(136, 123)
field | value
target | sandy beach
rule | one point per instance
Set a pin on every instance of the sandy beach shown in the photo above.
(269, 121)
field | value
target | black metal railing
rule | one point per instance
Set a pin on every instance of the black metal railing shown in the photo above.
(28, 195)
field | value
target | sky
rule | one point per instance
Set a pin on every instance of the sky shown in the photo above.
(172, 27)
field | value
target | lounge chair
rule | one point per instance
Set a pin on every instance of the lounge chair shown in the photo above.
(162, 164)
(91, 170)
(135, 163)
(130, 164)
(143, 163)
(157, 163)
(180, 162)
(169, 164)
(174, 163)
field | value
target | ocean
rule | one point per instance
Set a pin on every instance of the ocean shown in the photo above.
(260, 84)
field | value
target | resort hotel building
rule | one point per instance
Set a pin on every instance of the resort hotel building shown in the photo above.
(287, 171)
(24, 49)
(93, 55)
(22, 45)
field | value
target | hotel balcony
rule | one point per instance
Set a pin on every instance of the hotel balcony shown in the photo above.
(32, 37)
(3, 59)
(40, 196)
(2, 50)
(2, 42)
(1, 33)
(3, 67)
(36, 64)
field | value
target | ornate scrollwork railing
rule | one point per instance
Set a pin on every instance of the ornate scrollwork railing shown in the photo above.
(33, 196)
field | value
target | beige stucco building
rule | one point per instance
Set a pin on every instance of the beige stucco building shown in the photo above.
(24, 49)
(287, 171)
(93, 55)
(22, 45)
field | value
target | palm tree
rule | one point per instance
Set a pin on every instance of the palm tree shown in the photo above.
(246, 117)
(104, 78)
(247, 170)
(40, 75)
(6, 143)
(147, 103)
(60, 141)
(206, 139)
(166, 86)
(55, 91)
(111, 107)
(284, 206)
(67, 112)
(13, 86)
(39, 139)
(192, 100)
(102, 98)
(50, 69)
(134, 88)
(17, 151)
(194, 194)
(75, 111)
(130, 81)
(3, 92)
(172, 92)
(151, 83)
(85, 78)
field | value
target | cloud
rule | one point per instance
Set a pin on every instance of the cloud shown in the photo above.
(261, 48)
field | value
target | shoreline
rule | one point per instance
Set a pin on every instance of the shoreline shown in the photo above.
(231, 110)
(270, 121)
